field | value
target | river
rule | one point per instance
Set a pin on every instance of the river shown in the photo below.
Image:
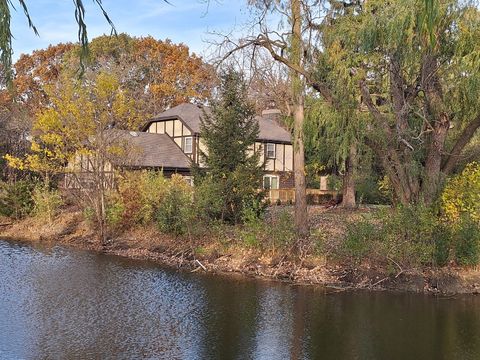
(58, 303)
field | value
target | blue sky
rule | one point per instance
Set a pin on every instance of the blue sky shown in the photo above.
(186, 21)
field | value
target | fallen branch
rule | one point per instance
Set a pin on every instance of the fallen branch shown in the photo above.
(399, 267)
(199, 263)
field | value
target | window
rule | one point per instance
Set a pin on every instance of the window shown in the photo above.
(270, 151)
(270, 182)
(188, 145)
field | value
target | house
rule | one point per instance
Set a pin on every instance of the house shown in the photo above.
(136, 150)
(182, 125)
(171, 142)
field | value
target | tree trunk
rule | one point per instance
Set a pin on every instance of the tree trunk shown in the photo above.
(433, 176)
(435, 105)
(103, 222)
(348, 188)
(301, 215)
(101, 184)
(100, 218)
(404, 188)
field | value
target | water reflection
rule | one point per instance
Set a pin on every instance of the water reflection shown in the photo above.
(78, 305)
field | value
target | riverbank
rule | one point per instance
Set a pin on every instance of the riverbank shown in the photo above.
(209, 254)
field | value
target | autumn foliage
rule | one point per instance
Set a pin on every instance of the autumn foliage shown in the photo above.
(35, 71)
(158, 74)
(461, 196)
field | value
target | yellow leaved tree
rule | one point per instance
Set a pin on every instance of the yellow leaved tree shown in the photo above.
(79, 123)
(462, 194)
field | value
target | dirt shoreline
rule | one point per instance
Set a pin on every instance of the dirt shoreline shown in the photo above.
(147, 244)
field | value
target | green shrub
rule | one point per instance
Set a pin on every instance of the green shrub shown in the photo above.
(175, 212)
(277, 231)
(408, 233)
(47, 202)
(226, 200)
(467, 242)
(407, 236)
(16, 199)
(359, 239)
(115, 213)
(282, 229)
(411, 236)
(208, 200)
(368, 191)
(252, 232)
(442, 236)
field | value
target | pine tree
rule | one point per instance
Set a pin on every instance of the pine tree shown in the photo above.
(232, 170)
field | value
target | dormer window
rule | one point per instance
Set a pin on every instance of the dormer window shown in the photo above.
(270, 151)
(188, 145)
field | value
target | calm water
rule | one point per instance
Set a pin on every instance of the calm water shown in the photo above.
(64, 304)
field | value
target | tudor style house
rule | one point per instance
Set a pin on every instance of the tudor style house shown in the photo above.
(171, 142)
(181, 125)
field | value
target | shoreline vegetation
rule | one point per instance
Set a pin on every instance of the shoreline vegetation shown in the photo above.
(224, 251)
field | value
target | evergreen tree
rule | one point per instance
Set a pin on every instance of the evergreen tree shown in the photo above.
(232, 173)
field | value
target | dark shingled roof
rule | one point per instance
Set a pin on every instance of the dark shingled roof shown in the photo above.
(190, 114)
(271, 130)
(150, 150)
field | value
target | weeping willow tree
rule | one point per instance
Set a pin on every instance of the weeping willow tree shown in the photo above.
(339, 119)
(337, 122)
(416, 69)
(333, 138)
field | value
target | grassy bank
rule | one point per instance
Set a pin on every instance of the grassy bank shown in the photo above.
(264, 249)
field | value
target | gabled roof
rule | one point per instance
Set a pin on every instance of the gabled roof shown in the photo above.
(190, 114)
(150, 150)
(271, 130)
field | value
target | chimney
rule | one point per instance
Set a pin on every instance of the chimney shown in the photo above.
(271, 114)
(271, 111)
